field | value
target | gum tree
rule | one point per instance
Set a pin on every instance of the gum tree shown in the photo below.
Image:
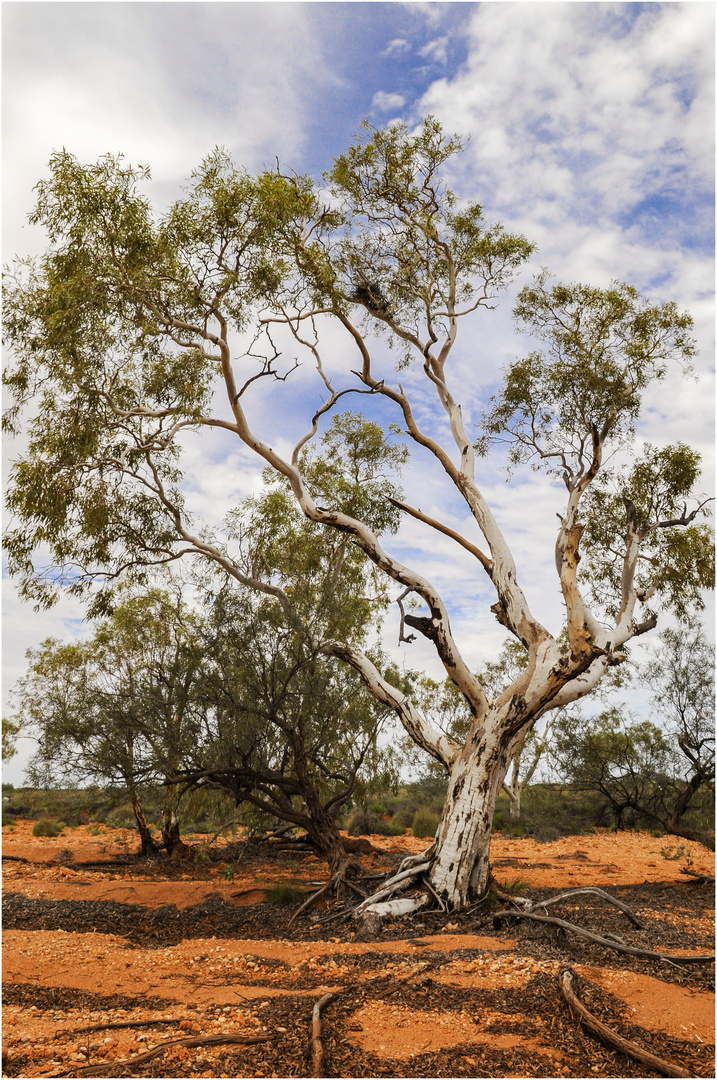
(117, 708)
(131, 333)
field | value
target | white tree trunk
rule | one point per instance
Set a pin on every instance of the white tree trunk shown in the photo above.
(515, 802)
(461, 866)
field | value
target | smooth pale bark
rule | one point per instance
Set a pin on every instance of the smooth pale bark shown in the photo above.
(396, 908)
(461, 867)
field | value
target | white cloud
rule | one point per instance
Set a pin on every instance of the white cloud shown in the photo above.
(387, 102)
(163, 83)
(435, 50)
(565, 105)
(397, 47)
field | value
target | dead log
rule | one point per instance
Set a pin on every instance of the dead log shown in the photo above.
(199, 1040)
(611, 944)
(317, 1046)
(610, 1037)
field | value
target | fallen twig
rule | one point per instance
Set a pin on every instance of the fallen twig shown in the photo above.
(199, 1040)
(593, 891)
(667, 1068)
(317, 1046)
(125, 1024)
(703, 879)
(647, 953)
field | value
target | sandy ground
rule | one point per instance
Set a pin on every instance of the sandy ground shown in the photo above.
(233, 984)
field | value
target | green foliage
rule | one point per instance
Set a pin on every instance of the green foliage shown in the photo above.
(646, 498)
(674, 853)
(10, 731)
(408, 245)
(227, 872)
(47, 827)
(515, 886)
(284, 895)
(603, 348)
(363, 824)
(424, 823)
(633, 767)
(559, 408)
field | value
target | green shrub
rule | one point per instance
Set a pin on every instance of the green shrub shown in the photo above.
(397, 829)
(47, 827)
(378, 808)
(515, 886)
(122, 817)
(8, 820)
(362, 824)
(284, 895)
(425, 822)
(94, 829)
(227, 872)
(404, 818)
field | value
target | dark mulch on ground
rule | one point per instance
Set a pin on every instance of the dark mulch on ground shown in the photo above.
(685, 903)
(65, 997)
(523, 1013)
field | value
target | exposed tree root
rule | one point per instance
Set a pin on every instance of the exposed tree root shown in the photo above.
(199, 1040)
(335, 883)
(398, 881)
(610, 943)
(589, 890)
(610, 1037)
(414, 860)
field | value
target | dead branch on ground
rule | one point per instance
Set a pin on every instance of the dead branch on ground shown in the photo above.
(124, 1024)
(609, 942)
(702, 879)
(589, 890)
(199, 1040)
(317, 1046)
(610, 1037)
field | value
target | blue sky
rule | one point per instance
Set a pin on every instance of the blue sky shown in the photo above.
(591, 132)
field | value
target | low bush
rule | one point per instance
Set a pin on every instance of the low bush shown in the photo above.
(47, 827)
(284, 895)
(362, 824)
(425, 822)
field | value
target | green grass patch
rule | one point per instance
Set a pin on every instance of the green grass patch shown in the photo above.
(47, 827)
(284, 895)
